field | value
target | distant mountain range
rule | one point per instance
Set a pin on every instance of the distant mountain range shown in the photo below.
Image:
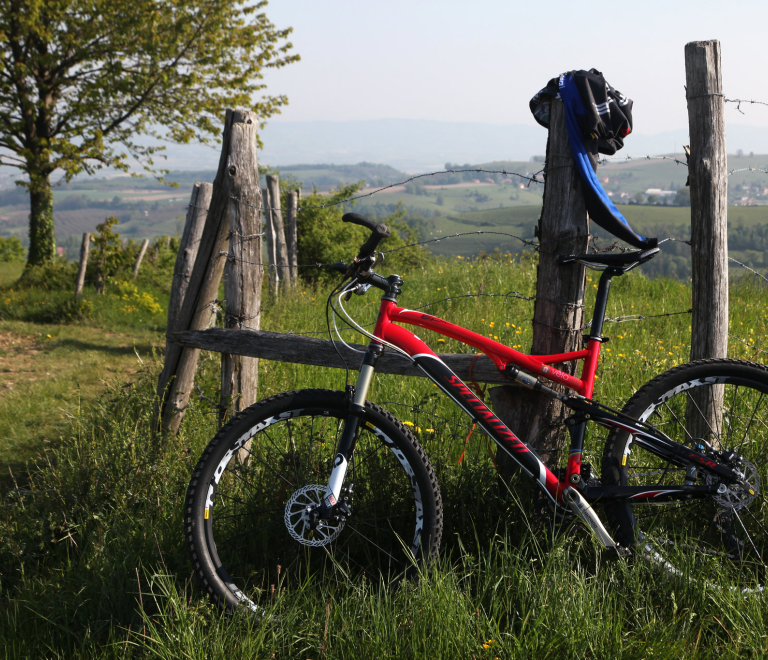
(416, 145)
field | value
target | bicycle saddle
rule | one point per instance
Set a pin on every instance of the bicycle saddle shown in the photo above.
(622, 261)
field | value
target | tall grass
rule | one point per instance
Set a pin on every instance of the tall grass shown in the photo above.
(93, 562)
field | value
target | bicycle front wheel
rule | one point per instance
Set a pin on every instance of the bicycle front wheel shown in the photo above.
(722, 539)
(246, 520)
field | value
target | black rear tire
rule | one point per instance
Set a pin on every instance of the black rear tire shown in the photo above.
(720, 539)
(244, 522)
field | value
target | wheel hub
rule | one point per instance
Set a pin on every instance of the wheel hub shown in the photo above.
(302, 519)
(740, 495)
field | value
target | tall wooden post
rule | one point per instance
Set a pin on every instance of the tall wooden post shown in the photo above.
(85, 247)
(292, 204)
(281, 248)
(242, 284)
(197, 308)
(269, 230)
(708, 177)
(558, 313)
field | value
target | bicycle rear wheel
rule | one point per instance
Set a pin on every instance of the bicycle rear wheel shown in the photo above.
(722, 539)
(246, 520)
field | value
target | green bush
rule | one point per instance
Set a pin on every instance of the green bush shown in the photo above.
(57, 275)
(324, 238)
(11, 250)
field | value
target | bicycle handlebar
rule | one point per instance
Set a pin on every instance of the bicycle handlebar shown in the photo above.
(379, 231)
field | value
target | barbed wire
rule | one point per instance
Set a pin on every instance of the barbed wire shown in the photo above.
(748, 268)
(620, 159)
(748, 169)
(738, 103)
(754, 348)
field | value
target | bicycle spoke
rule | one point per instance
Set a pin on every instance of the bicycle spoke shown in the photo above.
(751, 420)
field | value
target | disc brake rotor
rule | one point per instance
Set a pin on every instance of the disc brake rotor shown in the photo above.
(741, 495)
(297, 518)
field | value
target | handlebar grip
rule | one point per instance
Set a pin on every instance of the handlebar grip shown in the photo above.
(377, 236)
(379, 231)
(357, 219)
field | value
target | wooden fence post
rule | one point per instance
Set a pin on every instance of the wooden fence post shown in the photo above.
(192, 236)
(85, 247)
(269, 230)
(190, 241)
(292, 204)
(242, 285)
(281, 249)
(196, 309)
(558, 314)
(708, 177)
(142, 251)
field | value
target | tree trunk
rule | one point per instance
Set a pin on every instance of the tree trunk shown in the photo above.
(242, 284)
(42, 239)
(558, 312)
(708, 176)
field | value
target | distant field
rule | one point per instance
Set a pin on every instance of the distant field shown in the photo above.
(748, 234)
(442, 203)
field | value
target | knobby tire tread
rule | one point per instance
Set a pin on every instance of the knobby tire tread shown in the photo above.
(255, 410)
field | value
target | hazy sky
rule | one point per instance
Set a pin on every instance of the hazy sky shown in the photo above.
(481, 61)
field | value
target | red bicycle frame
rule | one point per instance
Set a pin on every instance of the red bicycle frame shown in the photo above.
(387, 330)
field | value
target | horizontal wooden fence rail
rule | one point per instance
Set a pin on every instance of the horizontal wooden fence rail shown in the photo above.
(285, 347)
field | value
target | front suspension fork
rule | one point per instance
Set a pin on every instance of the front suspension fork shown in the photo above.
(348, 438)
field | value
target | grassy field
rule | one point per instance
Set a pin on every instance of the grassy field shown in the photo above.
(92, 559)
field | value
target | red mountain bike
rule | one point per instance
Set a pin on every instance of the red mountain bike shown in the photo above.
(312, 481)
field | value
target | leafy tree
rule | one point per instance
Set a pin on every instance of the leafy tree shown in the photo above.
(683, 197)
(80, 79)
(108, 256)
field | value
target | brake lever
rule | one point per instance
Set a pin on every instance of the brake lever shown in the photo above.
(358, 290)
(365, 266)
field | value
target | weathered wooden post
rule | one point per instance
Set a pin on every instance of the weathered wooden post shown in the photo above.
(190, 241)
(708, 179)
(291, 238)
(242, 284)
(558, 312)
(197, 307)
(281, 249)
(142, 252)
(269, 230)
(85, 247)
(191, 238)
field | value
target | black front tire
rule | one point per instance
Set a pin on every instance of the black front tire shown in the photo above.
(243, 516)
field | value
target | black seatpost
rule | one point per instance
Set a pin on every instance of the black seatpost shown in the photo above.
(598, 316)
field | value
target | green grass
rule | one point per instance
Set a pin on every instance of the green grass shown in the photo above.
(93, 563)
